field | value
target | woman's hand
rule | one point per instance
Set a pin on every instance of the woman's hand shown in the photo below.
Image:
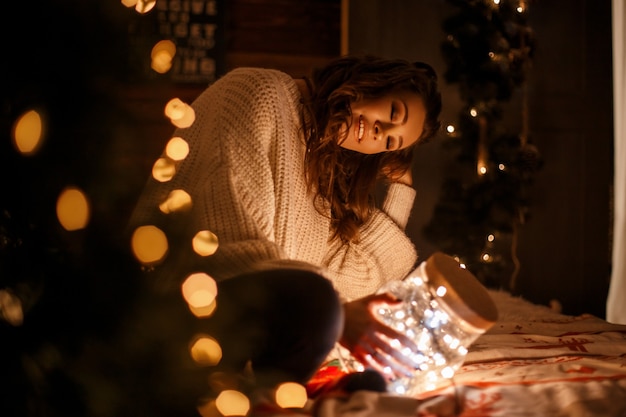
(373, 343)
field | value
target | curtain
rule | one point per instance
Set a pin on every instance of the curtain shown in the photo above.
(616, 301)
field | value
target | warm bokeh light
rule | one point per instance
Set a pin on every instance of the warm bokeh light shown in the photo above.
(11, 308)
(206, 351)
(162, 55)
(149, 244)
(203, 311)
(129, 3)
(27, 133)
(199, 290)
(177, 200)
(205, 243)
(177, 148)
(163, 169)
(232, 403)
(144, 6)
(291, 395)
(161, 62)
(180, 113)
(73, 209)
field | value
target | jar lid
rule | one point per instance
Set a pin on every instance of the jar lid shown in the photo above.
(464, 294)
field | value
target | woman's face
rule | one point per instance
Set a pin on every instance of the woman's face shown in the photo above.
(392, 122)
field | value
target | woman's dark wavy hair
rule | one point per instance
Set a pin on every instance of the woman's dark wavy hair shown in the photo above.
(344, 181)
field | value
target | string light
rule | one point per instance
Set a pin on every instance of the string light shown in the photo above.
(291, 395)
(443, 310)
(176, 201)
(11, 308)
(28, 133)
(149, 244)
(180, 113)
(162, 55)
(163, 169)
(205, 351)
(144, 6)
(73, 209)
(205, 243)
(177, 149)
(199, 290)
(232, 403)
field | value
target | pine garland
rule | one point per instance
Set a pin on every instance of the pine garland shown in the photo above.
(485, 194)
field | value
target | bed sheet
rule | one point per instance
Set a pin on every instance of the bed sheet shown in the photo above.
(532, 362)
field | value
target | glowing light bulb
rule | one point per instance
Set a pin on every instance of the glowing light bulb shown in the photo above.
(180, 114)
(203, 311)
(149, 244)
(199, 290)
(291, 395)
(27, 133)
(144, 6)
(205, 243)
(162, 55)
(11, 308)
(177, 149)
(176, 201)
(450, 129)
(206, 351)
(441, 291)
(447, 372)
(232, 403)
(163, 169)
(473, 112)
(73, 210)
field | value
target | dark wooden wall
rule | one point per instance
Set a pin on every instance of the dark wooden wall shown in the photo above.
(565, 248)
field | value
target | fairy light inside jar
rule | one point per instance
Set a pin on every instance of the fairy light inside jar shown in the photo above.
(432, 315)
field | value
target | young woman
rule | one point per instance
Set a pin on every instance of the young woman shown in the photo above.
(284, 173)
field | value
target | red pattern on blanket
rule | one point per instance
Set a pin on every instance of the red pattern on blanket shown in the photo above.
(533, 362)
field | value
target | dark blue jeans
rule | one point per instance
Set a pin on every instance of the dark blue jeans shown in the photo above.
(284, 321)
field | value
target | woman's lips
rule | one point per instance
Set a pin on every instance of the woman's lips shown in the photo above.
(360, 129)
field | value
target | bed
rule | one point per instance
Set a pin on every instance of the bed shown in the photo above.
(533, 362)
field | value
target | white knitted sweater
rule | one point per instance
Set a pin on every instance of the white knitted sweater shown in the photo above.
(245, 175)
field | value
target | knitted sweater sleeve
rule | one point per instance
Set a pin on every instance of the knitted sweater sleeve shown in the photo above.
(384, 252)
(229, 174)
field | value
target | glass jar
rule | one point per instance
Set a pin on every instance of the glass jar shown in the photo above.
(443, 310)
